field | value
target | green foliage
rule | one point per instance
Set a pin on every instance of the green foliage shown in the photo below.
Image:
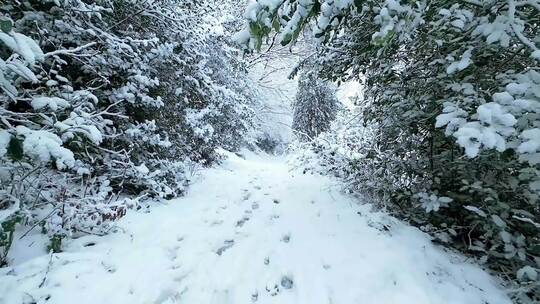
(315, 106)
(441, 136)
(260, 32)
(108, 103)
(6, 25)
(15, 150)
(7, 230)
(55, 243)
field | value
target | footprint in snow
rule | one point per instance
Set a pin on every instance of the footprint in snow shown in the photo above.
(172, 253)
(167, 297)
(227, 244)
(241, 222)
(285, 283)
(216, 223)
(246, 196)
(384, 228)
(273, 291)
(286, 238)
(255, 205)
(108, 267)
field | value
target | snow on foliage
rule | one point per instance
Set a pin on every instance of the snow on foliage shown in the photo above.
(315, 106)
(53, 103)
(45, 146)
(94, 108)
(452, 97)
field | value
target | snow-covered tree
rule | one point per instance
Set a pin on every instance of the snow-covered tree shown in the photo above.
(106, 103)
(315, 106)
(451, 101)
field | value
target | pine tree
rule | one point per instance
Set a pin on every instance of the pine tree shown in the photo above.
(315, 106)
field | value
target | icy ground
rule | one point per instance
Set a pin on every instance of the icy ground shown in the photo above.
(251, 231)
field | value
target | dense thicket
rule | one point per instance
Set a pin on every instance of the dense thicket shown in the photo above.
(448, 132)
(315, 106)
(106, 103)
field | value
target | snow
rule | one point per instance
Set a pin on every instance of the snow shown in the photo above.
(53, 103)
(476, 210)
(532, 141)
(517, 88)
(432, 202)
(492, 113)
(19, 68)
(527, 272)
(271, 4)
(252, 231)
(79, 124)
(5, 213)
(494, 124)
(503, 98)
(276, 92)
(23, 45)
(5, 138)
(496, 31)
(45, 146)
(452, 117)
(143, 169)
(348, 91)
(469, 136)
(461, 64)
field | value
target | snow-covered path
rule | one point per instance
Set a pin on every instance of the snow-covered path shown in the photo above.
(253, 232)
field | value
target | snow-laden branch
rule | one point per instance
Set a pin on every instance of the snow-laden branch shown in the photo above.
(517, 31)
(71, 52)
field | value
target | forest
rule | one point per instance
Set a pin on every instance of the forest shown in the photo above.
(270, 151)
